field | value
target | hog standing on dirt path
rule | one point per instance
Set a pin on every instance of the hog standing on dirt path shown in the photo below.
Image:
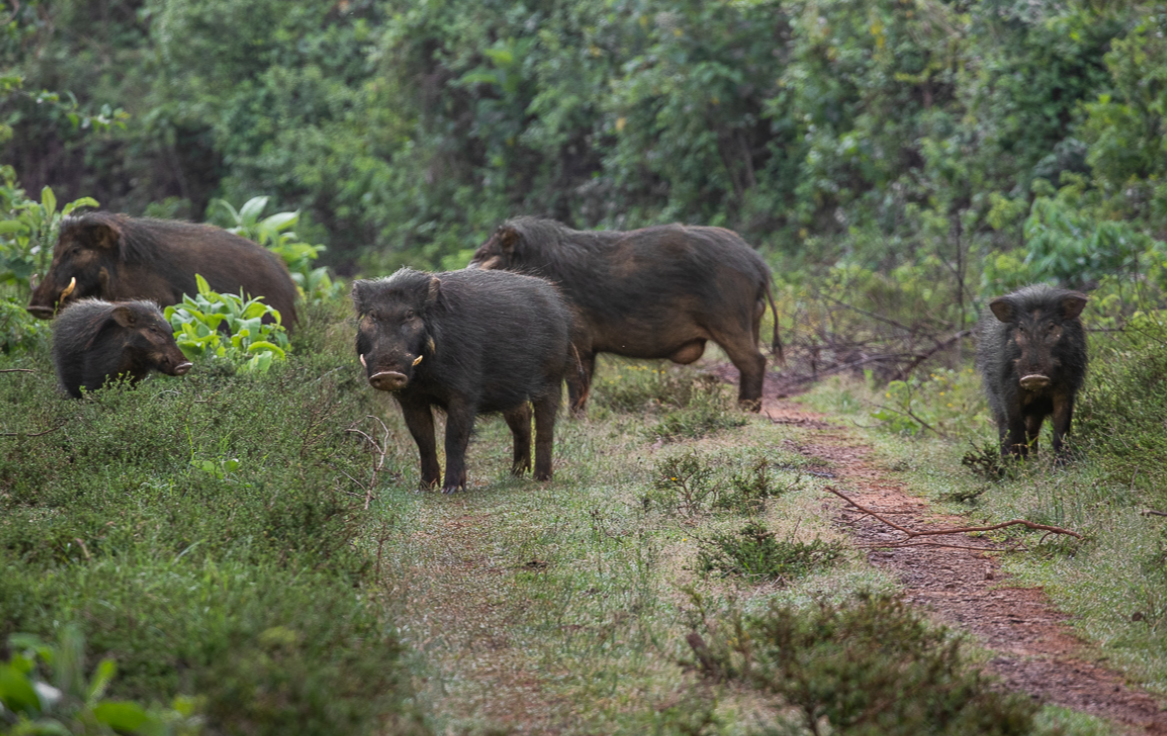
(469, 342)
(117, 257)
(1032, 354)
(659, 292)
(95, 341)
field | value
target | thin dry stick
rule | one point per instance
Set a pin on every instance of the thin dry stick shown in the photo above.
(32, 434)
(380, 450)
(17, 370)
(912, 535)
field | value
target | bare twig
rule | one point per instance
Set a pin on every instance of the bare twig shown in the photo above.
(910, 415)
(33, 434)
(379, 450)
(912, 536)
(1153, 512)
(17, 370)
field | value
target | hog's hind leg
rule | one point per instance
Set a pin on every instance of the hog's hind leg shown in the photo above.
(546, 407)
(519, 420)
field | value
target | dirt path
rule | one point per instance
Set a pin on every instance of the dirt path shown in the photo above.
(1036, 651)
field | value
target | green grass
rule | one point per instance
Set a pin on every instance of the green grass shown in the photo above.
(210, 534)
(1113, 585)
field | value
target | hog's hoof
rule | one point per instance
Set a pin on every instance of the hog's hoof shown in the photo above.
(750, 405)
(520, 469)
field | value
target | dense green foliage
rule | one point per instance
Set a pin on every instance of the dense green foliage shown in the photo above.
(881, 131)
(870, 666)
(202, 532)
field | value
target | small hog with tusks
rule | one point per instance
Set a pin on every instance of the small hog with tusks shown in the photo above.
(468, 342)
(1032, 355)
(95, 341)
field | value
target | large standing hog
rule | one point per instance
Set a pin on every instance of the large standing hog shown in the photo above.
(467, 342)
(659, 292)
(1032, 355)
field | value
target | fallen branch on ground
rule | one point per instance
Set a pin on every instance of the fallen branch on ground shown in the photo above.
(17, 370)
(912, 537)
(32, 434)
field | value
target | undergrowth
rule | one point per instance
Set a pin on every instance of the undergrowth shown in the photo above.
(202, 532)
(870, 666)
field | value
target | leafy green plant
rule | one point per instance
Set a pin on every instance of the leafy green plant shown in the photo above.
(72, 703)
(861, 668)
(30, 229)
(691, 484)
(248, 339)
(709, 408)
(753, 553)
(942, 401)
(274, 233)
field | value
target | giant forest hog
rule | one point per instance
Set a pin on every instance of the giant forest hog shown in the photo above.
(95, 341)
(659, 292)
(1032, 354)
(117, 258)
(467, 342)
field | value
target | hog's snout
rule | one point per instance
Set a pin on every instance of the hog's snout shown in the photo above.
(40, 312)
(1034, 382)
(182, 368)
(388, 381)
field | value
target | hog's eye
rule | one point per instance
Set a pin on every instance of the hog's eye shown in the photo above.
(409, 314)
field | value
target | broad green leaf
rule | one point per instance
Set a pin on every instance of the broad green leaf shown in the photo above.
(101, 679)
(83, 202)
(12, 226)
(264, 345)
(281, 220)
(203, 286)
(249, 212)
(121, 715)
(17, 693)
(48, 201)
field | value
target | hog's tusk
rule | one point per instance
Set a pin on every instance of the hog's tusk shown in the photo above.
(418, 359)
(363, 362)
(68, 289)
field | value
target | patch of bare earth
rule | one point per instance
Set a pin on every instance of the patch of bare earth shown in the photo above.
(1036, 651)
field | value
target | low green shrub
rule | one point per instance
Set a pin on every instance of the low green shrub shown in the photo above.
(870, 667)
(710, 408)
(203, 533)
(690, 484)
(753, 553)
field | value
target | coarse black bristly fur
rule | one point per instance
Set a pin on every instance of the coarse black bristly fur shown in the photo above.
(1034, 331)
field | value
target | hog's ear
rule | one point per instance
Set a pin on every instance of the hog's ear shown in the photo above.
(508, 238)
(102, 236)
(360, 295)
(434, 293)
(1073, 304)
(124, 316)
(1002, 308)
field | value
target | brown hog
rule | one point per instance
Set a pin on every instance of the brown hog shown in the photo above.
(95, 341)
(659, 292)
(117, 257)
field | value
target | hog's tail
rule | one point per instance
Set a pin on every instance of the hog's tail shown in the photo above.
(776, 346)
